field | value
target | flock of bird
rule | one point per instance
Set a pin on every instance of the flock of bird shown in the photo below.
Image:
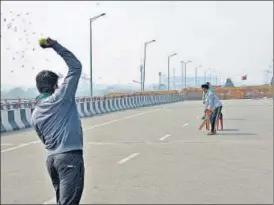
(18, 39)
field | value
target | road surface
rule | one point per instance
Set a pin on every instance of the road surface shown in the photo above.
(156, 155)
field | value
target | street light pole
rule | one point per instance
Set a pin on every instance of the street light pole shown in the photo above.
(168, 62)
(160, 80)
(141, 77)
(182, 63)
(90, 49)
(185, 75)
(210, 75)
(196, 71)
(174, 86)
(90, 58)
(205, 76)
(185, 71)
(144, 68)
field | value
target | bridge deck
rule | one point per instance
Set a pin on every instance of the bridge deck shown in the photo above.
(156, 155)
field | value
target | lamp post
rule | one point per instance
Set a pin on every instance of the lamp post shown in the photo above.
(168, 62)
(216, 77)
(90, 44)
(160, 79)
(182, 63)
(141, 77)
(174, 85)
(186, 62)
(144, 68)
(205, 75)
(210, 75)
(196, 73)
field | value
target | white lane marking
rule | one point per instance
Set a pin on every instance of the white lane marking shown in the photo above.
(119, 119)
(210, 142)
(51, 201)
(20, 146)
(122, 161)
(6, 144)
(89, 128)
(99, 143)
(185, 124)
(29, 131)
(18, 133)
(164, 137)
(188, 142)
(119, 143)
(100, 125)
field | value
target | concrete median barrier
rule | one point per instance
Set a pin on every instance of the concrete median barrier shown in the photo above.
(18, 115)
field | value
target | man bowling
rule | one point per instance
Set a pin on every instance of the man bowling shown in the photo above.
(57, 123)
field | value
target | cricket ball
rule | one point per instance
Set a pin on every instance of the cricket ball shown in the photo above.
(42, 41)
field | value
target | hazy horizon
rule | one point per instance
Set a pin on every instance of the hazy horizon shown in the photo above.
(232, 38)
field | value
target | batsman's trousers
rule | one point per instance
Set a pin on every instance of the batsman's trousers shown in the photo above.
(214, 116)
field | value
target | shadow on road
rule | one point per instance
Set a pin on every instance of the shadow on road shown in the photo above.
(230, 130)
(233, 119)
(236, 133)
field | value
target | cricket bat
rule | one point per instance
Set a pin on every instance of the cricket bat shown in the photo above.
(203, 124)
(208, 113)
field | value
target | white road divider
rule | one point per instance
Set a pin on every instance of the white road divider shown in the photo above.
(18, 117)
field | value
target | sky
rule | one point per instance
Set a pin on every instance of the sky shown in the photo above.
(230, 38)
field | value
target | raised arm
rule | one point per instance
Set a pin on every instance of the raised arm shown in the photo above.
(70, 84)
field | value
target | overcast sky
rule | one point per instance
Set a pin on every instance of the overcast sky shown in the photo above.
(233, 38)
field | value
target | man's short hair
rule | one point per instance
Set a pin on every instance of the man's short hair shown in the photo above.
(205, 86)
(46, 81)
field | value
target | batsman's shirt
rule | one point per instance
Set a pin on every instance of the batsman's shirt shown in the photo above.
(205, 94)
(212, 101)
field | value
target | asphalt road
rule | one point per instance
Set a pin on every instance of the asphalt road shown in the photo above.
(156, 155)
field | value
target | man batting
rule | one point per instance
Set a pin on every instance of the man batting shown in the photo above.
(205, 95)
(214, 105)
(57, 123)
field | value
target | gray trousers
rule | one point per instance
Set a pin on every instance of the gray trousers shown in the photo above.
(213, 118)
(67, 172)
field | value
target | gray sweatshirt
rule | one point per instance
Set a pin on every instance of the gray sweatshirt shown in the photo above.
(212, 101)
(55, 118)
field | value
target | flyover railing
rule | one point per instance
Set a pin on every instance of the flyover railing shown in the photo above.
(225, 93)
(9, 104)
